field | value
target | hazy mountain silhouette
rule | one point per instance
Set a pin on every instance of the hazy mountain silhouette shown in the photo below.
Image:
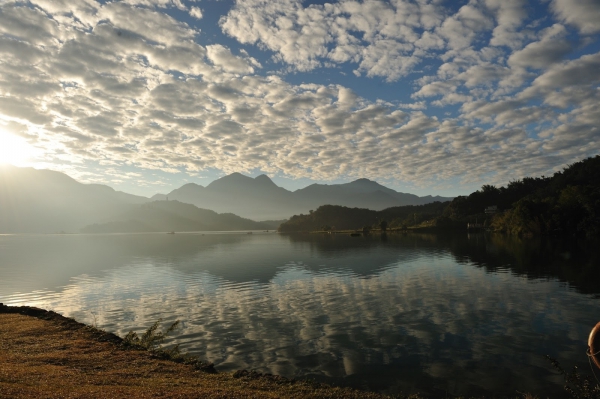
(361, 193)
(174, 216)
(45, 201)
(259, 198)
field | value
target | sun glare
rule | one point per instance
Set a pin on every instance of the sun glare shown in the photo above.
(14, 150)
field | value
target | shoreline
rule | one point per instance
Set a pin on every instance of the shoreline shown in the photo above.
(44, 354)
(419, 229)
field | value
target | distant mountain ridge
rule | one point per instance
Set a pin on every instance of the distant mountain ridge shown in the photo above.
(260, 198)
(174, 216)
(45, 201)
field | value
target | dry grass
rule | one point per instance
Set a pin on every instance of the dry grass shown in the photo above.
(45, 355)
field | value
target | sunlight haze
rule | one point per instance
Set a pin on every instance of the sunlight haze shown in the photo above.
(14, 150)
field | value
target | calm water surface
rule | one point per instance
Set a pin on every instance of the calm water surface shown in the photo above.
(441, 315)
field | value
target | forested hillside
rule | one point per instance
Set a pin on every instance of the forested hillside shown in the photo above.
(566, 203)
(335, 217)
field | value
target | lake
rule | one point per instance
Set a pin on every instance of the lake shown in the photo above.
(443, 315)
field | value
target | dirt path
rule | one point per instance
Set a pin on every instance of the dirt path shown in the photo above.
(45, 355)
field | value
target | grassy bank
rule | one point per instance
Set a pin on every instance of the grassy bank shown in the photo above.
(46, 355)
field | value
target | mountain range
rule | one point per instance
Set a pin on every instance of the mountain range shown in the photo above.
(260, 199)
(173, 216)
(45, 201)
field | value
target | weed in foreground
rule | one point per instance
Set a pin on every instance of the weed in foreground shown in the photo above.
(577, 386)
(151, 341)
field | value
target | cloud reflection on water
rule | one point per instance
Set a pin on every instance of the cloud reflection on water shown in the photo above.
(419, 320)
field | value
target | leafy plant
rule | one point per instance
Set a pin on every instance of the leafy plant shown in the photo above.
(151, 341)
(578, 387)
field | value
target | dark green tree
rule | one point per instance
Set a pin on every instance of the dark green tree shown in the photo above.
(383, 225)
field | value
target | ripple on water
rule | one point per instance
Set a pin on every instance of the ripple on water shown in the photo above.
(398, 314)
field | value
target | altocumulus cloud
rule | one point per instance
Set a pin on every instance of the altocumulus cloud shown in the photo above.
(494, 83)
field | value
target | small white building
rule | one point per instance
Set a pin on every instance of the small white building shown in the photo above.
(490, 210)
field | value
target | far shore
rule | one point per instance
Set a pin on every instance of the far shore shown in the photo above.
(418, 229)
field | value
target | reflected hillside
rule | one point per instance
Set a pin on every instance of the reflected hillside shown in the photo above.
(576, 262)
(234, 257)
(238, 257)
(54, 259)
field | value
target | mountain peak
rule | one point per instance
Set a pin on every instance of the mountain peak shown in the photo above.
(232, 176)
(363, 181)
(191, 185)
(264, 179)
(188, 188)
(231, 180)
(365, 184)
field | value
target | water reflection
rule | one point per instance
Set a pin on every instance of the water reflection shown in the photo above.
(436, 314)
(569, 260)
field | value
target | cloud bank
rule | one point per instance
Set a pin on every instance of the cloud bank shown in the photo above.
(499, 92)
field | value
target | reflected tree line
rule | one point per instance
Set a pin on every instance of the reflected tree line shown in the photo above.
(573, 261)
(238, 257)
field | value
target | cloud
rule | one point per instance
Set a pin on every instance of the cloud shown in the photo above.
(552, 47)
(462, 28)
(510, 15)
(273, 26)
(483, 74)
(152, 25)
(584, 14)
(128, 84)
(157, 3)
(378, 36)
(196, 12)
(584, 71)
(221, 56)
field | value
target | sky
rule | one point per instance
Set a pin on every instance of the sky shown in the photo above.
(423, 96)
